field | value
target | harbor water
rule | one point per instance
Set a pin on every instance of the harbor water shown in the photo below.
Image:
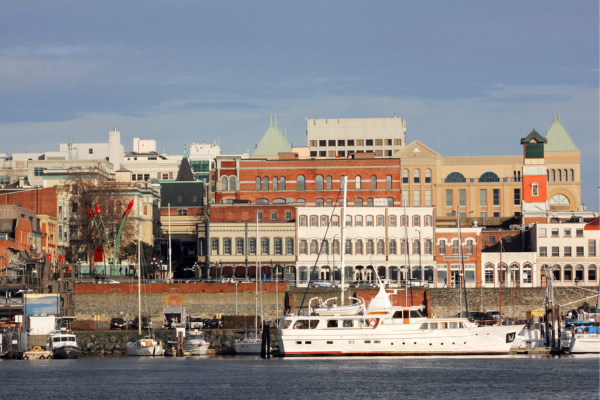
(525, 377)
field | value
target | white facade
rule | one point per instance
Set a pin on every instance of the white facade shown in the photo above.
(143, 146)
(518, 269)
(570, 250)
(112, 151)
(332, 137)
(374, 239)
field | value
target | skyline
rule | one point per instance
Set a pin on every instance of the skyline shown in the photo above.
(473, 73)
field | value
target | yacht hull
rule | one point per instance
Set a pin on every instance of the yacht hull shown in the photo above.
(248, 347)
(195, 349)
(585, 343)
(152, 351)
(67, 352)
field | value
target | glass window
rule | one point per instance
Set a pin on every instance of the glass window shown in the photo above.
(579, 232)
(390, 202)
(428, 176)
(303, 247)
(288, 215)
(303, 220)
(314, 247)
(329, 182)
(416, 246)
(370, 249)
(442, 248)
(275, 183)
(380, 220)
(492, 239)
(427, 197)
(591, 248)
(348, 219)
(289, 246)
(462, 197)
(580, 251)
(416, 176)
(273, 216)
(517, 197)
(405, 176)
(264, 246)
(319, 182)
(543, 251)
(214, 246)
(300, 182)
(388, 182)
(428, 220)
(554, 232)
(282, 183)
(392, 247)
(359, 220)
(567, 232)
(392, 220)
(259, 215)
(482, 198)
(335, 221)
(325, 247)
(542, 232)
(358, 182)
(428, 247)
(239, 246)
(489, 273)
(469, 247)
(252, 246)
(455, 177)
(448, 197)
(380, 247)
(455, 246)
(348, 247)
(369, 220)
(489, 177)
(358, 202)
(313, 221)
(404, 220)
(359, 247)
(324, 220)
(320, 203)
(496, 194)
(369, 202)
(405, 198)
(336, 247)
(416, 198)
(567, 251)
(555, 251)
(227, 246)
(278, 246)
(225, 183)
(373, 182)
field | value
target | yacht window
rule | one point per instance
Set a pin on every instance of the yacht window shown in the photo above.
(452, 325)
(56, 339)
(301, 324)
(424, 326)
(347, 323)
(71, 339)
(64, 339)
(332, 323)
(308, 342)
(287, 324)
(461, 325)
(433, 325)
(416, 314)
(367, 341)
(314, 323)
(398, 314)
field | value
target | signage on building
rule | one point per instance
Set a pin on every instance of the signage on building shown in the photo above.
(456, 258)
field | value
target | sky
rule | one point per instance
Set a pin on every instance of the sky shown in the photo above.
(478, 75)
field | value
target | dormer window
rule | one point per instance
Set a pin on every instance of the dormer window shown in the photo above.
(534, 190)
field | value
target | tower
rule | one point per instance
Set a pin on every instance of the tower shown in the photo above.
(534, 187)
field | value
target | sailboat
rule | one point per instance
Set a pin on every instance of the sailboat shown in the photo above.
(142, 344)
(252, 346)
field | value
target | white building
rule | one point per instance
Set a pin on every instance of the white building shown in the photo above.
(375, 238)
(515, 269)
(330, 138)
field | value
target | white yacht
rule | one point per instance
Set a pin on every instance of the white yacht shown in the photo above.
(531, 337)
(248, 347)
(585, 339)
(384, 329)
(142, 345)
(63, 344)
(195, 344)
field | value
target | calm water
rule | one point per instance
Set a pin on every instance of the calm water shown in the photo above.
(347, 378)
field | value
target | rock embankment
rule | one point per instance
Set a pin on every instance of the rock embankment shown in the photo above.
(113, 344)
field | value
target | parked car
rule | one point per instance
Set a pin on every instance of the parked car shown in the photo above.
(118, 323)
(362, 284)
(195, 322)
(110, 281)
(416, 283)
(322, 283)
(494, 314)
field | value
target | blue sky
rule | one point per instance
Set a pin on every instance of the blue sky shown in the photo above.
(479, 74)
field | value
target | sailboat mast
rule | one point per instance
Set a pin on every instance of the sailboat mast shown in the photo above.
(342, 239)
(169, 277)
(256, 279)
(461, 271)
(139, 282)
(500, 278)
(406, 259)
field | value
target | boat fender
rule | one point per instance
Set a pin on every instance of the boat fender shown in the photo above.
(579, 330)
(373, 323)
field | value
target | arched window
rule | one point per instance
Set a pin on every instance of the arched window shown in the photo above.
(373, 182)
(303, 247)
(559, 175)
(358, 182)
(417, 176)
(571, 175)
(275, 183)
(300, 182)
(369, 220)
(388, 182)
(552, 176)
(359, 247)
(278, 201)
(392, 220)
(258, 183)
(324, 220)
(428, 220)
(224, 184)
(489, 177)
(320, 203)
(324, 247)
(534, 190)
(592, 273)
(559, 200)
(313, 221)
(303, 220)
(416, 221)
(566, 176)
(282, 183)
(527, 275)
(314, 247)
(359, 220)
(405, 176)
(370, 202)
(319, 182)
(489, 273)
(358, 202)
(403, 220)
(232, 183)
(262, 201)
(266, 183)
(548, 175)
(579, 273)
(469, 247)
(335, 221)
(427, 175)
(568, 274)
(455, 177)
(329, 182)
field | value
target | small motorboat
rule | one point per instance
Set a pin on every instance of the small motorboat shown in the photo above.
(195, 344)
(63, 344)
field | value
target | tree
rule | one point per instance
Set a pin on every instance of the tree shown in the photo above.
(87, 192)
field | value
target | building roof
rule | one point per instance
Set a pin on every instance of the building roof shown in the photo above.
(272, 143)
(416, 149)
(7, 225)
(534, 135)
(558, 138)
(185, 173)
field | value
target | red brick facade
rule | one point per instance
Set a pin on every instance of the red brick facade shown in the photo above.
(179, 288)
(241, 213)
(447, 255)
(41, 201)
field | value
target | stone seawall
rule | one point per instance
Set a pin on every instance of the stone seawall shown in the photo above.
(445, 302)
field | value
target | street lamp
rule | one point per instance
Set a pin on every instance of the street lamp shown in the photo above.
(196, 270)
(154, 266)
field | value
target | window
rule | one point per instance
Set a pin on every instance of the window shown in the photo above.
(542, 232)
(369, 220)
(359, 220)
(348, 221)
(492, 239)
(324, 220)
(303, 247)
(288, 215)
(390, 202)
(591, 248)
(489, 273)
(417, 246)
(289, 245)
(313, 153)
(527, 276)
(369, 202)
(273, 216)
(370, 249)
(329, 182)
(319, 182)
(239, 246)
(336, 247)
(392, 220)
(259, 216)
(555, 251)
(227, 246)
(350, 142)
(214, 246)
(369, 142)
(91, 151)
(320, 203)
(416, 176)
(543, 251)
(462, 197)
(416, 198)
(428, 220)
(455, 177)
(393, 247)
(348, 247)
(335, 221)
(567, 251)
(427, 197)
(496, 195)
(322, 143)
(300, 182)
(442, 248)
(181, 212)
(469, 247)
(397, 142)
(404, 220)
(179, 199)
(358, 182)
(404, 246)
(325, 247)
(264, 246)
(282, 183)
(428, 247)
(517, 197)
(448, 197)
(379, 220)
(554, 232)
(489, 177)
(225, 184)
(265, 183)
(388, 182)
(38, 171)
(194, 198)
(405, 198)
(278, 242)
(303, 220)
(258, 183)
(4, 180)
(313, 221)
(359, 247)
(373, 182)
(534, 189)
(275, 183)
(380, 247)
(455, 247)
(405, 176)
(331, 142)
(358, 202)
(416, 221)
(579, 232)
(580, 251)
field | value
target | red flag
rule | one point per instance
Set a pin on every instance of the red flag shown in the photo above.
(91, 213)
(130, 205)
(60, 258)
(49, 256)
(97, 209)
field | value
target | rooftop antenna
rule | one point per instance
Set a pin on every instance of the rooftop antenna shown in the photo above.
(554, 116)
(275, 119)
(271, 120)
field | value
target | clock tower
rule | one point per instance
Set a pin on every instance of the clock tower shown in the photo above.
(534, 183)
